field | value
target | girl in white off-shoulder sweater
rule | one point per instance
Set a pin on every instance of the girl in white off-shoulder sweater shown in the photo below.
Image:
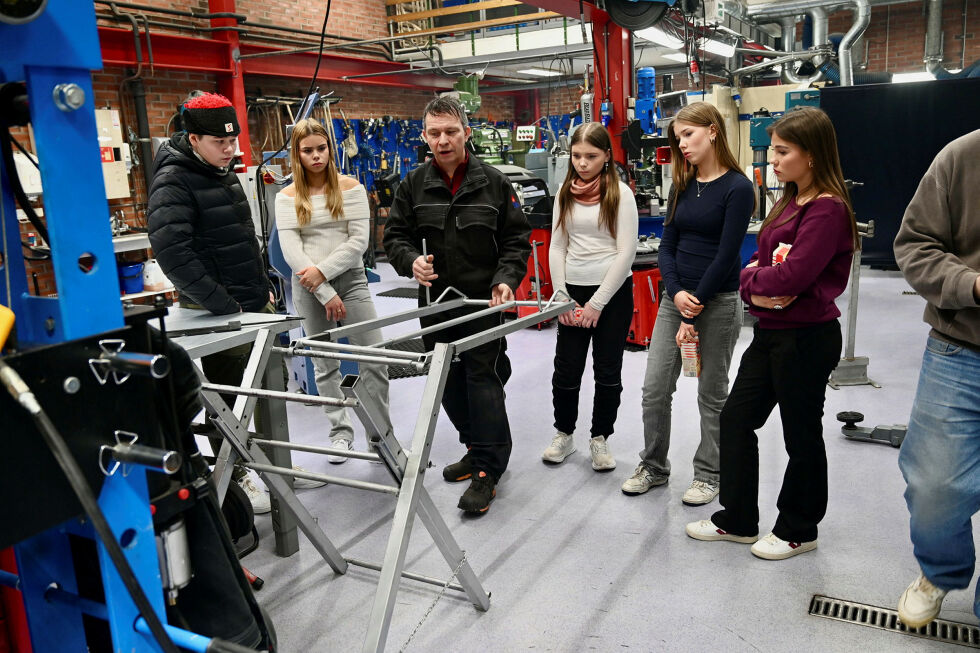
(593, 244)
(323, 223)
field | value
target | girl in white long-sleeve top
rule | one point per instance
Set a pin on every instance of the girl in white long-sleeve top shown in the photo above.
(593, 244)
(323, 221)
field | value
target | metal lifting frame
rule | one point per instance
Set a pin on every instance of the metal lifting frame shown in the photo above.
(407, 467)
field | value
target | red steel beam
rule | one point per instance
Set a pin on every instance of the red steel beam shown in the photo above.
(176, 52)
(232, 86)
(618, 78)
(170, 51)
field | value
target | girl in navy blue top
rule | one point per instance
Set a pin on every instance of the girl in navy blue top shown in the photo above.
(706, 222)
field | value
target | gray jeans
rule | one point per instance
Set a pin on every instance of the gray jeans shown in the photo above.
(718, 328)
(353, 290)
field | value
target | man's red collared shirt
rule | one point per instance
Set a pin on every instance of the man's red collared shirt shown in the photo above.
(458, 174)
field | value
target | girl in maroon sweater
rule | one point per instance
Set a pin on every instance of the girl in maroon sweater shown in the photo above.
(804, 257)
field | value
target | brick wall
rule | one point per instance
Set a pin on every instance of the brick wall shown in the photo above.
(362, 19)
(896, 36)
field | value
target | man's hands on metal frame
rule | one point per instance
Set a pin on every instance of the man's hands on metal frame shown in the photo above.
(424, 273)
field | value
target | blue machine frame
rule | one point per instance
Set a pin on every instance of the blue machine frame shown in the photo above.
(62, 47)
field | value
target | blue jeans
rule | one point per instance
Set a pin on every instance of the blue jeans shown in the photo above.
(940, 460)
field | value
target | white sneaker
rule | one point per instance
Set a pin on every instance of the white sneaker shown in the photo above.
(706, 531)
(341, 444)
(920, 603)
(305, 483)
(641, 481)
(602, 460)
(562, 446)
(700, 493)
(259, 499)
(772, 548)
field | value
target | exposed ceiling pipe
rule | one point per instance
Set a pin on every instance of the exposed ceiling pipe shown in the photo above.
(934, 39)
(820, 29)
(794, 8)
(779, 8)
(789, 75)
(862, 18)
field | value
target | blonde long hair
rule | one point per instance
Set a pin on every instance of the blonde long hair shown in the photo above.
(303, 203)
(701, 114)
(593, 134)
(811, 130)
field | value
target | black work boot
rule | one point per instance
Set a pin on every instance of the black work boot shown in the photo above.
(479, 494)
(459, 471)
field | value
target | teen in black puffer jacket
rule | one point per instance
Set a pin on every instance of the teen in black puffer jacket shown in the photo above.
(201, 231)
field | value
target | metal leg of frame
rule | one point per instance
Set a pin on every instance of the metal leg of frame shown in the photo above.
(408, 501)
(226, 457)
(236, 436)
(271, 420)
(387, 445)
(450, 550)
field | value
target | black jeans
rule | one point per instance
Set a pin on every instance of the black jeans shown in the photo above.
(608, 339)
(474, 395)
(788, 367)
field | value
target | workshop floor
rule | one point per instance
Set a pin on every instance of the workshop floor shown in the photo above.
(573, 564)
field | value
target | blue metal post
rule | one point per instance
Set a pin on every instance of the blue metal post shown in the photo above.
(125, 503)
(59, 50)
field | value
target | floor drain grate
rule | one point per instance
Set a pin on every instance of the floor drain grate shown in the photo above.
(938, 630)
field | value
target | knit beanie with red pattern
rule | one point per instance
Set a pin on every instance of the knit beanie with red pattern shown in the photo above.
(211, 114)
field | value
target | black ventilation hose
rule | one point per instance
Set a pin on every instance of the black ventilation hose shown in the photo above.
(62, 454)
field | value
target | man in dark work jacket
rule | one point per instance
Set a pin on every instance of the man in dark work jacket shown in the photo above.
(478, 242)
(201, 231)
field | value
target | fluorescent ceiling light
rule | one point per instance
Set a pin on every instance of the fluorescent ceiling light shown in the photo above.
(660, 37)
(922, 76)
(540, 72)
(675, 56)
(720, 48)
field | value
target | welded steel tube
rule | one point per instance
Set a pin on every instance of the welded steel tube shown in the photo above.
(273, 394)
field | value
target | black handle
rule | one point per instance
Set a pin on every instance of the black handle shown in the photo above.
(159, 459)
(153, 365)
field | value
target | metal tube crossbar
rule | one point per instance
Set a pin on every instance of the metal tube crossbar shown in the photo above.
(448, 323)
(336, 355)
(312, 448)
(274, 394)
(407, 574)
(395, 318)
(333, 480)
(357, 349)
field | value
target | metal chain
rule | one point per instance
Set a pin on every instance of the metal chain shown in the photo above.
(425, 616)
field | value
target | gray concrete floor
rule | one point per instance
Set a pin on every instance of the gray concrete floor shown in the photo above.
(573, 564)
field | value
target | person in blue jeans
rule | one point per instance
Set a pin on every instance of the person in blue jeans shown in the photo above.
(938, 251)
(700, 262)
